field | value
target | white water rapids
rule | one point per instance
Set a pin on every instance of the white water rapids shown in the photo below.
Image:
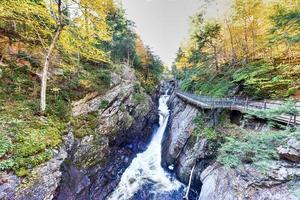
(146, 168)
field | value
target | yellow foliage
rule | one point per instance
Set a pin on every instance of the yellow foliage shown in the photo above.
(85, 27)
(246, 34)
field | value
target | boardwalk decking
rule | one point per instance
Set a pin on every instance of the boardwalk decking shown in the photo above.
(241, 105)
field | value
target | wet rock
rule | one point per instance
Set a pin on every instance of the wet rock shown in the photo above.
(181, 150)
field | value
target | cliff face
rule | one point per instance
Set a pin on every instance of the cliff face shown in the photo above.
(124, 125)
(182, 151)
(90, 166)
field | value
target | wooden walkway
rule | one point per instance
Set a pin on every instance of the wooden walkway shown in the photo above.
(241, 105)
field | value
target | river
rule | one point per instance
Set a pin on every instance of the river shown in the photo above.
(145, 178)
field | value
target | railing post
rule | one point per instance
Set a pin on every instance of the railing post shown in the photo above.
(265, 104)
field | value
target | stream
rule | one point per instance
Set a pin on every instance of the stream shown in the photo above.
(145, 178)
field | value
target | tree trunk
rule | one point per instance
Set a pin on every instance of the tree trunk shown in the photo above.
(128, 59)
(45, 69)
(216, 58)
(233, 54)
(186, 197)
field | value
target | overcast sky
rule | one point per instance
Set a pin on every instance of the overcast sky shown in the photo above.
(163, 24)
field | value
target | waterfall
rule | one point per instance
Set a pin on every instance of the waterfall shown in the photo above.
(145, 176)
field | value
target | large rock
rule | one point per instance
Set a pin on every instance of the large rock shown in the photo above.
(194, 153)
(181, 149)
(280, 181)
(290, 152)
(179, 130)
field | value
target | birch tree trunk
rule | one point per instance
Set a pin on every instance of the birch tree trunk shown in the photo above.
(45, 69)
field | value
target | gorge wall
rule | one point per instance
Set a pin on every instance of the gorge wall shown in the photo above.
(183, 151)
(91, 161)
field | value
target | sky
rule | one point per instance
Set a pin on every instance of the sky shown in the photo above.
(164, 24)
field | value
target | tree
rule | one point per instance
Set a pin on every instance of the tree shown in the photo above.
(206, 36)
(60, 19)
(286, 27)
(122, 45)
(75, 26)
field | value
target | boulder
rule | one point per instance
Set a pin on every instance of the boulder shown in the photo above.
(291, 152)
(279, 181)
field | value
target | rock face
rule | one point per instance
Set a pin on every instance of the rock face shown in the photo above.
(182, 150)
(96, 162)
(180, 127)
(43, 181)
(280, 181)
(90, 167)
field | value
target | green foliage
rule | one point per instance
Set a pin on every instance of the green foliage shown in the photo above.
(26, 140)
(286, 25)
(5, 145)
(32, 139)
(103, 104)
(288, 108)
(85, 125)
(263, 80)
(137, 87)
(22, 172)
(203, 82)
(204, 132)
(253, 148)
(123, 38)
(291, 91)
(138, 98)
(260, 80)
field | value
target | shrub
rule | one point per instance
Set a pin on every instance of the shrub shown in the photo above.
(253, 148)
(137, 87)
(85, 125)
(288, 108)
(138, 98)
(5, 145)
(103, 104)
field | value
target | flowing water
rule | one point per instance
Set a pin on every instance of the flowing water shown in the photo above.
(145, 178)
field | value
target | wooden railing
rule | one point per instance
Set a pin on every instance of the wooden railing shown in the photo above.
(239, 104)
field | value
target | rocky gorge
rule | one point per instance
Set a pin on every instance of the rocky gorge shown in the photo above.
(92, 166)
(184, 153)
(89, 166)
